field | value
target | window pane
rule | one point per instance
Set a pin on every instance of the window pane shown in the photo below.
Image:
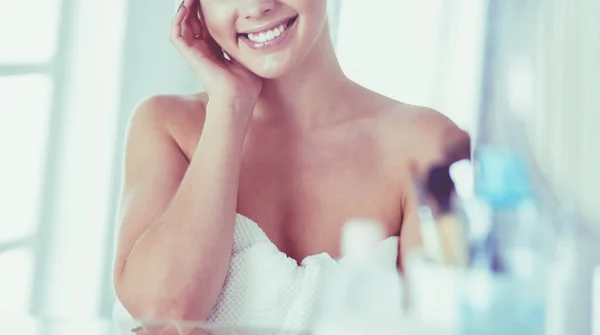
(28, 30)
(24, 121)
(16, 281)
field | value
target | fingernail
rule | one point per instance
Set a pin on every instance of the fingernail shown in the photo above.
(180, 5)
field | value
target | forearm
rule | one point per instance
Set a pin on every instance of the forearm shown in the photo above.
(177, 268)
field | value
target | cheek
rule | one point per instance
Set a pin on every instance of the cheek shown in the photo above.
(315, 16)
(314, 8)
(219, 32)
(219, 21)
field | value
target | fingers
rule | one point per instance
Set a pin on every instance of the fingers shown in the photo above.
(189, 27)
(237, 68)
(176, 32)
(205, 34)
(193, 19)
(202, 22)
(187, 30)
(182, 26)
(215, 49)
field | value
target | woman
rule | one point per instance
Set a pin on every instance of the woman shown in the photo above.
(280, 136)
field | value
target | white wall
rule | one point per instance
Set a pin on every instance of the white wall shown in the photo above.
(563, 123)
(421, 52)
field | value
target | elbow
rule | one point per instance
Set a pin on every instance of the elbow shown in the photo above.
(132, 297)
(145, 301)
(128, 296)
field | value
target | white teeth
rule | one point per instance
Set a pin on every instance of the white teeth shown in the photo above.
(267, 35)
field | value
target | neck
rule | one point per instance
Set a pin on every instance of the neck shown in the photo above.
(304, 97)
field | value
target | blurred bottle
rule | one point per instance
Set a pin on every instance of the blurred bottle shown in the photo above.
(505, 290)
(363, 294)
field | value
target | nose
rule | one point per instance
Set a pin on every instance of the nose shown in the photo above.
(251, 9)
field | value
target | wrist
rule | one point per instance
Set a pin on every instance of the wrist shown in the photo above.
(228, 118)
(233, 103)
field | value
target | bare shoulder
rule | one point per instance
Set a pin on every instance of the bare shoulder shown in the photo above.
(423, 134)
(169, 109)
(179, 117)
(421, 121)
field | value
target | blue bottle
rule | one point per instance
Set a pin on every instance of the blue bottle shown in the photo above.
(504, 290)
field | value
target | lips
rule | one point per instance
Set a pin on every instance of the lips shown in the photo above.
(270, 37)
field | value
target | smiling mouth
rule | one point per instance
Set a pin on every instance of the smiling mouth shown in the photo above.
(269, 36)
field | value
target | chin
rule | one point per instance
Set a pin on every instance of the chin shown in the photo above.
(272, 69)
(270, 75)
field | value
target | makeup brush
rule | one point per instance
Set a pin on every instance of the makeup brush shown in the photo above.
(441, 193)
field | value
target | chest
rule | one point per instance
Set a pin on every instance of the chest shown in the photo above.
(302, 193)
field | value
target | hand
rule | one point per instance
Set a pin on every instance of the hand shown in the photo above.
(221, 78)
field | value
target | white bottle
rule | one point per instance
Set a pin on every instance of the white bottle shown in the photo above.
(362, 294)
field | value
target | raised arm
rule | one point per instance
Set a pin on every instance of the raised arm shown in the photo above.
(177, 218)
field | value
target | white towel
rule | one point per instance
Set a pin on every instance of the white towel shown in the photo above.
(265, 289)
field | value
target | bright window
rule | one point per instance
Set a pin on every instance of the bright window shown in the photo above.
(28, 31)
(24, 124)
(16, 281)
